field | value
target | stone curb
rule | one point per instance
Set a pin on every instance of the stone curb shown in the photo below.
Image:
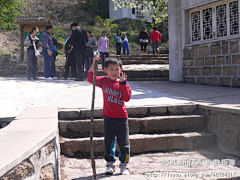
(27, 134)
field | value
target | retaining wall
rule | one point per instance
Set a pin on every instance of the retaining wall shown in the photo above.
(30, 146)
(216, 63)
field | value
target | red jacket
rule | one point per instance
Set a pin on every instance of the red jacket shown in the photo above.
(155, 36)
(114, 95)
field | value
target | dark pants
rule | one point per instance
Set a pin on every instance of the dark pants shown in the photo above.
(80, 58)
(102, 56)
(155, 45)
(71, 62)
(118, 46)
(31, 64)
(49, 64)
(144, 47)
(88, 60)
(116, 127)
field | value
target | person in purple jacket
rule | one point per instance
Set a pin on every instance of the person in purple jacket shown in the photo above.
(103, 47)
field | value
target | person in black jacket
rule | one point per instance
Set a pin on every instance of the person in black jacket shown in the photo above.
(79, 41)
(143, 40)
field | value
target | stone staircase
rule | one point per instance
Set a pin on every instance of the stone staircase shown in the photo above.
(151, 129)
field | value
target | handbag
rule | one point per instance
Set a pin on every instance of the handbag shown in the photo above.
(143, 40)
(37, 53)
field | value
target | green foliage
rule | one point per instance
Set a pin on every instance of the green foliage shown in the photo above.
(9, 10)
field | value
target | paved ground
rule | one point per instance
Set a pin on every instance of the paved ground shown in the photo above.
(19, 93)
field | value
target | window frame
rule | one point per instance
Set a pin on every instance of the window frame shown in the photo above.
(214, 22)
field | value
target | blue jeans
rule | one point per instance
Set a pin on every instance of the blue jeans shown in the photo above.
(88, 60)
(125, 46)
(102, 55)
(116, 127)
(155, 45)
(49, 64)
(80, 58)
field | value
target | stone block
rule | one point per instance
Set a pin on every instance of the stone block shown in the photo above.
(212, 81)
(186, 52)
(236, 82)
(234, 47)
(47, 173)
(201, 81)
(185, 72)
(210, 61)
(228, 60)
(227, 137)
(237, 147)
(207, 71)
(199, 140)
(139, 111)
(49, 148)
(69, 114)
(225, 48)
(87, 113)
(230, 70)
(217, 71)
(62, 126)
(194, 71)
(236, 59)
(225, 82)
(158, 110)
(220, 60)
(199, 62)
(190, 80)
(203, 51)
(215, 49)
(21, 171)
(187, 62)
(181, 109)
(194, 52)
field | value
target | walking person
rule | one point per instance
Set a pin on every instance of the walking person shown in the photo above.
(155, 39)
(118, 42)
(125, 43)
(91, 44)
(103, 47)
(143, 40)
(47, 51)
(116, 91)
(31, 57)
(79, 41)
(70, 58)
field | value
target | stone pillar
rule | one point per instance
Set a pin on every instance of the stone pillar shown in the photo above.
(175, 40)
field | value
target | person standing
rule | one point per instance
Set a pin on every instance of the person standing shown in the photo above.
(125, 43)
(143, 40)
(79, 41)
(103, 47)
(70, 58)
(155, 39)
(31, 58)
(47, 51)
(89, 55)
(118, 42)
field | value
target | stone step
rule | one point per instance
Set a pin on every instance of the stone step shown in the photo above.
(140, 61)
(183, 109)
(141, 55)
(145, 125)
(140, 143)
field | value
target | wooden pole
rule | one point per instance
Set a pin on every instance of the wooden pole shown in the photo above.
(22, 43)
(91, 126)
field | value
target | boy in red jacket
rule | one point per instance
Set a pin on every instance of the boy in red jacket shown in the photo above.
(155, 39)
(115, 90)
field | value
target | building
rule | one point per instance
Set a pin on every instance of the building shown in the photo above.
(122, 13)
(204, 42)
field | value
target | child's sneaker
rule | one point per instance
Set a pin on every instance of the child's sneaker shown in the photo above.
(110, 170)
(125, 171)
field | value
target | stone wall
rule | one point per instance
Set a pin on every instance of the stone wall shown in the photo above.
(216, 63)
(43, 165)
(225, 124)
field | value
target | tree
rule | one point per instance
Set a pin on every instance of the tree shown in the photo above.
(9, 10)
(159, 8)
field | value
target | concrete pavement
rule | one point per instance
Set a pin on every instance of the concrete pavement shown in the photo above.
(18, 93)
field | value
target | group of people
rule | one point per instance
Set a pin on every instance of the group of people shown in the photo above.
(79, 47)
